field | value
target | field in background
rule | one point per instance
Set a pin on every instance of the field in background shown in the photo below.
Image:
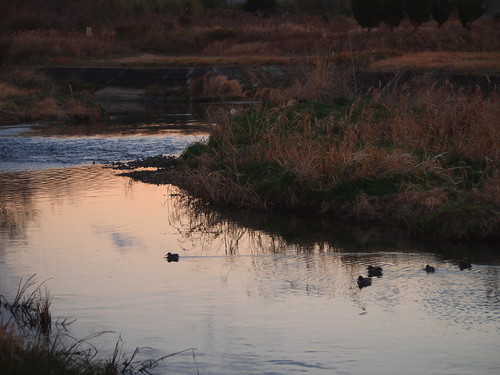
(113, 33)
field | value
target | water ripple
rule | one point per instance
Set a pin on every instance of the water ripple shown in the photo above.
(31, 153)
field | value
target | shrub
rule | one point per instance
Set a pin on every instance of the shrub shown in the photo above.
(214, 86)
(219, 33)
(470, 10)
(418, 11)
(368, 13)
(393, 12)
(441, 10)
(256, 6)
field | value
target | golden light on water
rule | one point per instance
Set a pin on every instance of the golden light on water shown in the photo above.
(248, 292)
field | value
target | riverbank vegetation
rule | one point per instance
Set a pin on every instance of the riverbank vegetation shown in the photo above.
(422, 155)
(61, 32)
(158, 33)
(26, 96)
(29, 345)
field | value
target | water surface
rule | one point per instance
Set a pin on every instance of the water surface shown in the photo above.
(253, 293)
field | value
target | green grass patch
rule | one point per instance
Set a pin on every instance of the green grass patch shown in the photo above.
(268, 178)
(468, 171)
(337, 106)
(460, 220)
(190, 156)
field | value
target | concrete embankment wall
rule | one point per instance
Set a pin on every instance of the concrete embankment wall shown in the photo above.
(132, 83)
(123, 83)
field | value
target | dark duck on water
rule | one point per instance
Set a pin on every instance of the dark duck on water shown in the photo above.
(172, 257)
(464, 264)
(429, 269)
(364, 281)
(374, 271)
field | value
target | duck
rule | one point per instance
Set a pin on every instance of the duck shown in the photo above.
(364, 281)
(172, 257)
(429, 269)
(374, 271)
(464, 264)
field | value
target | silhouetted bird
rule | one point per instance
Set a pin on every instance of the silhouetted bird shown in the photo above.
(172, 257)
(464, 264)
(429, 269)
(374, 271)
(364, 281)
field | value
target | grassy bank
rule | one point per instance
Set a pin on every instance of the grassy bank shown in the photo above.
(420, 156)
(27, 97)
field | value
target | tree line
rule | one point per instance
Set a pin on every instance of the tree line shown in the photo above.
(372, 13)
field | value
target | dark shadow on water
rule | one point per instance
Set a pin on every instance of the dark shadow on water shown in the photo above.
(134, 118)
(309, 233)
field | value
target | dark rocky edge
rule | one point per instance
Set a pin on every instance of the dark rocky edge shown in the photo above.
(158, 170)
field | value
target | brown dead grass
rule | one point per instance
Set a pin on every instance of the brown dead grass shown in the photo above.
(438, 144)
(233, 37)
(214, 86)
(228, 48)
(28, 96)
(7, 90)
(40, 46)
(453, 62)
(156, 60)
(10, 344)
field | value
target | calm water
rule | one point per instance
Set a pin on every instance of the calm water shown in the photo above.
(254, 294)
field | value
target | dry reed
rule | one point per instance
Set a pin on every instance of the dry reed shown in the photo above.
(412, 156)
(224, 33)
(214, 87)
(27, 345)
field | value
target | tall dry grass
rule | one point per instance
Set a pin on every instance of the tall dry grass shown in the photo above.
(214, 86)
(26, 95)
(28, 345)
(59, 35)
(40, 46)
(417, 155)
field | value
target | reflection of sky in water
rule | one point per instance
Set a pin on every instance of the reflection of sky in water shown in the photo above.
(249, 302)
(28, 153)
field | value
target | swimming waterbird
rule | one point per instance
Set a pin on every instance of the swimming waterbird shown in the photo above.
(374, 271)
(429, 269)
(364, 281)
(464, 264)
(172, 257)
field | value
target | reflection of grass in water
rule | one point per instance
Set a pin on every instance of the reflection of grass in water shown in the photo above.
(202, 225)
(209, 223)
(28, 347)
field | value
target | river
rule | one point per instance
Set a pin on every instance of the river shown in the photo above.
(252, 293)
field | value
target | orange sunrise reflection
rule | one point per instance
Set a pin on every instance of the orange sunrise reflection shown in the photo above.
(247, 292)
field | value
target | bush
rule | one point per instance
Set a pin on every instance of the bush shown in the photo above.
(419, 11)
(393, 12)
(441, 10)
(368, 13)
(470, 10)
(256, 6)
